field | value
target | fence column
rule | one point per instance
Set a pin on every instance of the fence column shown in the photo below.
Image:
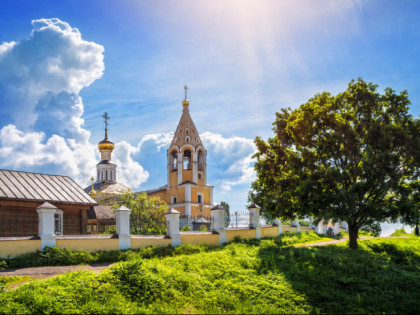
(311, 222)
(122, 215)
(336, 228)
(46, 213)
(319, 228)
(278, 223)
(172, 226)
(218, 217)
(254, 219)
(344, 225)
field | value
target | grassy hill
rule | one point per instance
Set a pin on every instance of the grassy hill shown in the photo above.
(244, 277)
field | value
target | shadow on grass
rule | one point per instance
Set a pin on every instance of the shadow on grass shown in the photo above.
(376, 278)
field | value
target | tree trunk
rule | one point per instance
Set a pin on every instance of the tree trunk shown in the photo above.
(353, 235)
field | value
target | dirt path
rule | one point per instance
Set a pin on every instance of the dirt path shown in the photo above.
(341, 240)
(50, 271)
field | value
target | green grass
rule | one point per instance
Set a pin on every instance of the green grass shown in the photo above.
(401, 232)
(243, 277)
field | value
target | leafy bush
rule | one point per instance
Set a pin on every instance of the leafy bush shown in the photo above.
(185, 228)
(400, 232)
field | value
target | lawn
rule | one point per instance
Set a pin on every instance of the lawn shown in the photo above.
(266, 276)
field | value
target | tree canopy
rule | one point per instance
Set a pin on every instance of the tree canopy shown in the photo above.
(340, 157)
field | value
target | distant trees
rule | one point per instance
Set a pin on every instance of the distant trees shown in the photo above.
(352, 157)
(147, 213)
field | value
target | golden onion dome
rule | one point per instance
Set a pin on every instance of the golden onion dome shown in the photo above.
(105, 145)
(92, 193)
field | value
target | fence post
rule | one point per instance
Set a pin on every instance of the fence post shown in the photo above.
(278, 223)
(336, 228)
(122, 215)
(218, 217)
(319, 228)
(254, 219)
(172, 226)
(46, 213)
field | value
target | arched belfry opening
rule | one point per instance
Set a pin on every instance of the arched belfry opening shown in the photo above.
(173, 160)
(187, 159)
(200, 160)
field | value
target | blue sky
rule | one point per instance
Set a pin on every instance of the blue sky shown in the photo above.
(242, 61)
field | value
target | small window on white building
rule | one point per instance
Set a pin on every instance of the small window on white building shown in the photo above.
(174, 199)
(58, 222)
(200, 175)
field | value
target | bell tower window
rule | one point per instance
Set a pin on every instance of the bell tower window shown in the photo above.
(173, 160)
(187, 159)
(200, 161)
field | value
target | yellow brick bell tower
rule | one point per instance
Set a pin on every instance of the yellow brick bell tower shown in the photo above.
(187, 190)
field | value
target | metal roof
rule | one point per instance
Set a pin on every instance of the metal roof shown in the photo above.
(100, 213)
(17, 185)
(108, 187)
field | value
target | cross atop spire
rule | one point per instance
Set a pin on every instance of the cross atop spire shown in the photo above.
(106, 118)
(186, 89)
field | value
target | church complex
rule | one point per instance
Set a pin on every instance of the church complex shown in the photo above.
(186, 189)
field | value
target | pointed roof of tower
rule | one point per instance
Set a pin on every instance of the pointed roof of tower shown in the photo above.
(186, 132)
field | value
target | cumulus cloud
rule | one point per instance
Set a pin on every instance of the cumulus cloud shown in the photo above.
(41, 77)
(231, 158)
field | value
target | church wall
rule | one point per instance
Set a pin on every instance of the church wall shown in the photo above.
(173, 179)
(205, 191)
(181, 209)
(187, 175)
(201, 182)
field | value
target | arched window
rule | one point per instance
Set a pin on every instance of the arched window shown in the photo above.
(174, 160)
(187, 139)
(187, 159)
(200, 161)
(187, 130)
(176, 140)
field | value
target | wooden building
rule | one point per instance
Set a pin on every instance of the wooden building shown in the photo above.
(22, 192)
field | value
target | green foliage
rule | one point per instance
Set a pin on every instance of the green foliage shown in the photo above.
(185, 228)
(400, 232)
(147, 213)
(258, 277)
(203, 228)
(342, 157)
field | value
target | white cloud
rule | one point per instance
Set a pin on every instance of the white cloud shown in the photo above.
(40, 80)
(231, 158)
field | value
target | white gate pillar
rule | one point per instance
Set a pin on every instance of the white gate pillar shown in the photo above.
(336, 228)
(254, 219)
(122, 215)
(172, 226)
(46, 224)
(278, 223)
(218, 217)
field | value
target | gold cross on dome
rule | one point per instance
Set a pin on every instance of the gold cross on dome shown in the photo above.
(106, 118)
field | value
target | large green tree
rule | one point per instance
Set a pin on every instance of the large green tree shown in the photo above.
(147, 213)
(340, 157)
